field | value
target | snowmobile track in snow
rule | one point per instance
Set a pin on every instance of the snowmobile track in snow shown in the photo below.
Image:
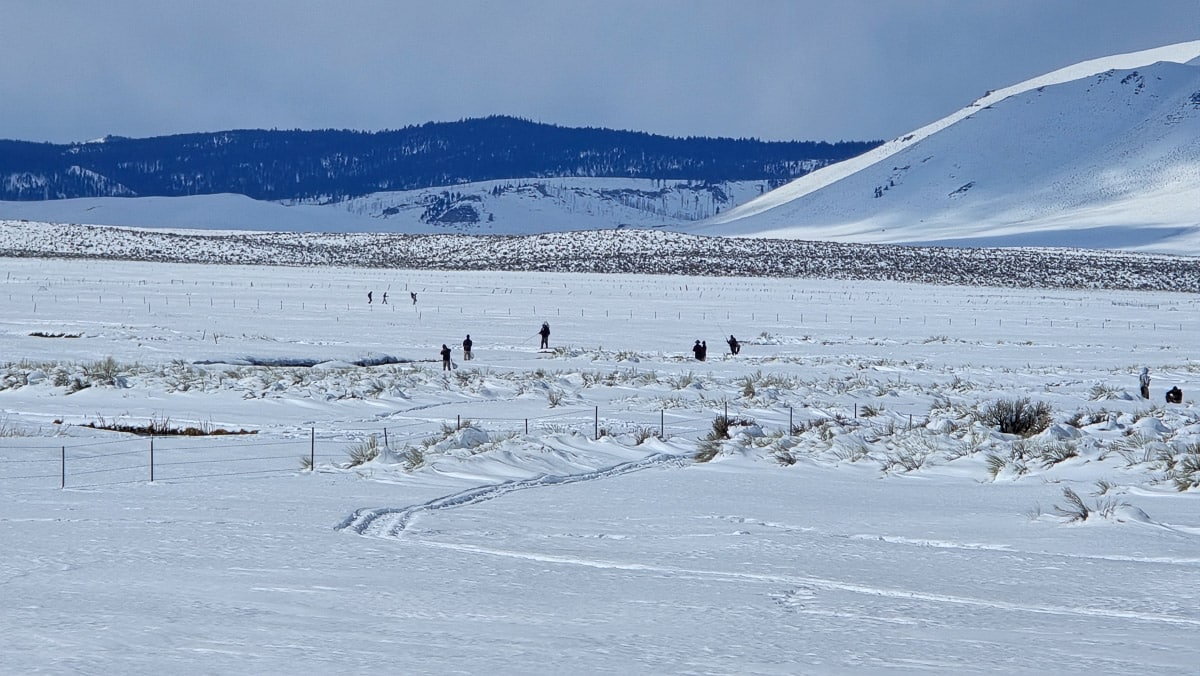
(392, 521)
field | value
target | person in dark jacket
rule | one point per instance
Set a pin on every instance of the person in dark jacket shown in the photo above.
(445, 357)
(1175, 395)
(544, 332)
(734, 345)
(698, 350)
(467, 348)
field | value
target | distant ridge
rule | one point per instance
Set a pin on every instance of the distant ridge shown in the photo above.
(333, 165)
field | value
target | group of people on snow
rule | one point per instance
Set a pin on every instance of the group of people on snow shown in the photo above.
(371, 297)
(700, 349)
(1173, 396)
(447, 364)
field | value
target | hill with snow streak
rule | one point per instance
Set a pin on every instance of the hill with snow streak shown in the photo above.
(1102, 154)
(503, 207)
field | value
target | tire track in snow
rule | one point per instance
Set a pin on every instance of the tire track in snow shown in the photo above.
(392, 521)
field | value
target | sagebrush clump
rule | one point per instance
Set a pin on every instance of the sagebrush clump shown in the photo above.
(1017, 416)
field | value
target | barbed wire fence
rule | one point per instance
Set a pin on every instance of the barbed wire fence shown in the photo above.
(49, 462)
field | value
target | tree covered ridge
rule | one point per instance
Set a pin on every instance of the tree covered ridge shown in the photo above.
(331, 165)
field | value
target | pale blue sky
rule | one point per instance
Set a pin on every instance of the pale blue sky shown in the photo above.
(773, 69)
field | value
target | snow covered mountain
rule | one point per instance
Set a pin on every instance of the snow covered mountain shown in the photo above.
(1103, 154)
(491, 175)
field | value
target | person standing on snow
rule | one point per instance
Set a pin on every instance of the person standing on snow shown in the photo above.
(1144, 381)
(544, 332)
(734, 345)
(467, 348)
(698, 350)
(445, 357)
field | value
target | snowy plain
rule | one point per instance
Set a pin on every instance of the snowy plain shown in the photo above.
(536, 512)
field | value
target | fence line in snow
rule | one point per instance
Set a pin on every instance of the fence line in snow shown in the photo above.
(178, 457)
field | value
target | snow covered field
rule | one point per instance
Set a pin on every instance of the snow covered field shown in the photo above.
(523, 514)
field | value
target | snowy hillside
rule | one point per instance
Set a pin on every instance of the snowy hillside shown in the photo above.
(519, 206)
(1103, 154)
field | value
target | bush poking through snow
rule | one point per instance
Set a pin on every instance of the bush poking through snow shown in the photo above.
(1017, 416)
(104, 371)
(995, 464)
(720, 428)
(905, 460)
(707, 449)
(363, 452)
(413, 458)
(1082, 419)
(848, 447)
(784, 456)
(1136, 449)
(682, 381)
(1055, 452)
(1186, 472)
(1100, 392)
(711, 444)
(643, 433)
(722, 424)
(1078, 510)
